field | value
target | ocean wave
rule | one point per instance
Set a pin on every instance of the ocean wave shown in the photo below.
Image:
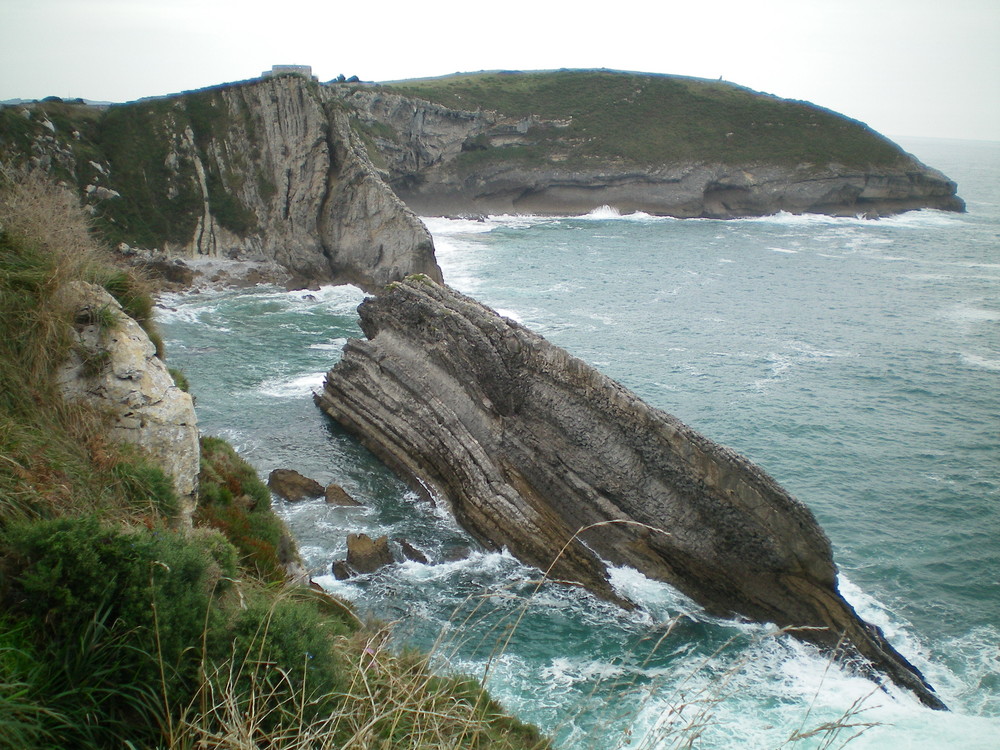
(918, 219)
(292, 387)
(335, 345)
(985, 363)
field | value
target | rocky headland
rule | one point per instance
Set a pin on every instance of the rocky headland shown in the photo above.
(566, 142)
(268, 173)
(286, 180)
(537, 452)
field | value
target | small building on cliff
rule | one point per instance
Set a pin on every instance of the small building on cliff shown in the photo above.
(305, 71)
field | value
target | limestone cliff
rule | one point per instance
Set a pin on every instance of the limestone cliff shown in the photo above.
(267, 170)
(535, 451)
(570, 141)
(113, 366)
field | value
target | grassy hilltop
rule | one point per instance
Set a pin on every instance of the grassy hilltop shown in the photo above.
(646, 119)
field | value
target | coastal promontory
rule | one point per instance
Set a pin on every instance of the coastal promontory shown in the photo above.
(307, 183)
(568, 141)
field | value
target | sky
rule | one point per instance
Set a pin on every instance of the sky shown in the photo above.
(925, 68)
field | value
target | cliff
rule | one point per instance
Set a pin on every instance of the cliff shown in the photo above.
(322, 180)
(569, 141)
(263, 171)
(535, 451)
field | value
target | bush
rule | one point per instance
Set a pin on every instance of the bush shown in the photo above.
(232, 499)
(115, 618)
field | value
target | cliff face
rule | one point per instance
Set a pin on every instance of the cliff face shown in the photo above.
(571, 141)
(113, 366)
(535, 451)
(717, 191)
(268, 170)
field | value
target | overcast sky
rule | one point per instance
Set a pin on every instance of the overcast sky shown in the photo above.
(905, 67)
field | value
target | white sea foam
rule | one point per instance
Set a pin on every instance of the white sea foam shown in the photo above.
(440, 226)
(293, 387)
(334, 345)
(972, 313)
(783, 250)
(918, 219)
(986, 363)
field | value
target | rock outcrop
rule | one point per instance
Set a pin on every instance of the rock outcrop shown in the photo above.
(290, 485)
(715, 191)
(337, 495)
(535, 451)
(366, 555)
(267, 171)
(113, 365)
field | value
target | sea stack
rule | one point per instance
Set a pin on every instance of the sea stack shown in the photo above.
(534, 450)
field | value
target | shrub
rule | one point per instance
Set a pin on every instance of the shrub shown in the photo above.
(115, 618)
(232, 499)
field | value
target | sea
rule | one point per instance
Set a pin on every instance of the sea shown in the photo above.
(857, 361)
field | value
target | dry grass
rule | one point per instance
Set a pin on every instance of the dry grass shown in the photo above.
(389, 700)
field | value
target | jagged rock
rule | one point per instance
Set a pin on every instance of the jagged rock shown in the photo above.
(412, 553)
(366, 555)
(320, 209)
(337, 495)
(289, 485)
(115, 367)
(535, 451)
(340, 570)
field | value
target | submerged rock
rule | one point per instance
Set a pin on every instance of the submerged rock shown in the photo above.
(535, 451)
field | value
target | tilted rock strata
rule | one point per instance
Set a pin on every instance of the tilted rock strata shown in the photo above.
(320, 209)
(535, 451)
(115, 368)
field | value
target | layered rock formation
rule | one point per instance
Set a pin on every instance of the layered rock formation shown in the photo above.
(741, 153)
(265, 171)
(114, 367)
(715, 191)
(535, 451)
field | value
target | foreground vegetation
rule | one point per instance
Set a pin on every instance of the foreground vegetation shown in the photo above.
(117, 630)
(649, 119)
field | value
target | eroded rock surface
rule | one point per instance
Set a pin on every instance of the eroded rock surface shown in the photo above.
(114, 366)
(536, 451)
(366, 555)
(423, 166)
(290, 485)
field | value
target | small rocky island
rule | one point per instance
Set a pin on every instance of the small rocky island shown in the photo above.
(535, 451)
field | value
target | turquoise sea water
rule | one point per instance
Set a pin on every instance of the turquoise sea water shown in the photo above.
(857, 361)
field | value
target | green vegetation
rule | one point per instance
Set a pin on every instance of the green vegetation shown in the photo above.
(117, 630)
(156, 205)
(232, 498)
(652, 119)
